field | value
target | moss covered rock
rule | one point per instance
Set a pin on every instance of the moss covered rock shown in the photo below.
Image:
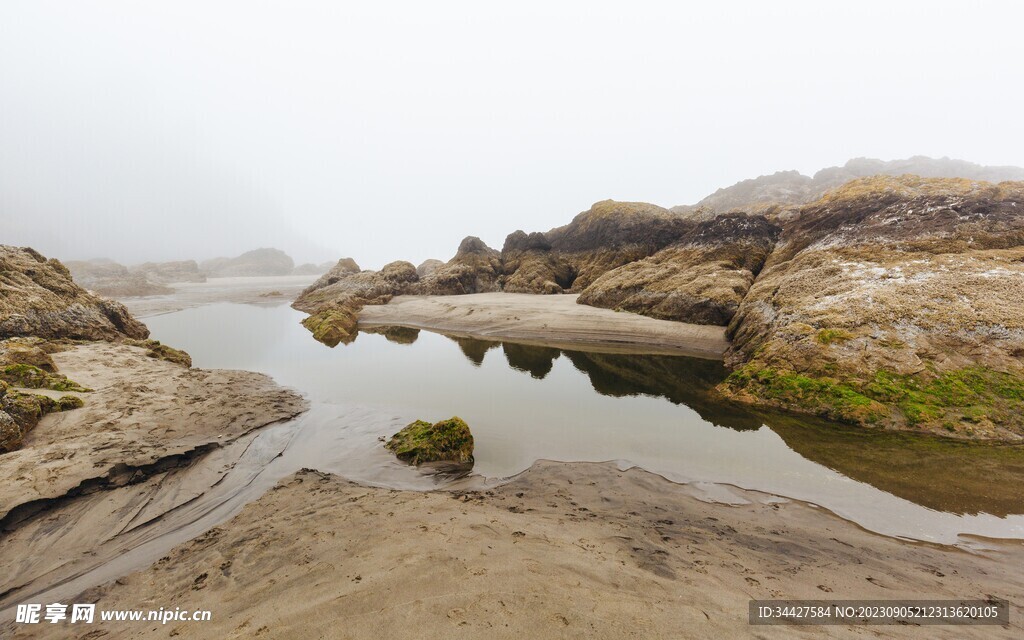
(31, 377)
(445, 441)
(893, 302)
(20, 412)
(162, 352)
(333, 326)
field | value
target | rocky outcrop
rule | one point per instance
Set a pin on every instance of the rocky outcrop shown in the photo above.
(108, 278)
(20, 412)
(335, 299)
(25, 363)
(39, 298)
(779, 194)
(445, 441)
(342, 269)
(258, 262)
(893, 302)
(428, 266)
(532, 267)
(476, 268)
(170, 272)
(701, 279)
(611, 234)
(310, 269)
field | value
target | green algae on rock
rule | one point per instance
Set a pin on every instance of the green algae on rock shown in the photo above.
(154, 349)
(445, 441)
(20, 412)
(893, 302)
(30, 377)
(333, 326)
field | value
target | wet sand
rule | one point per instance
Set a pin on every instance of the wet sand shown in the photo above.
(141, 410)
(561, 551)
(97, 474)
(250, 290)
(555, 321)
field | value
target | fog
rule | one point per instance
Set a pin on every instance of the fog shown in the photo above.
(155, 131)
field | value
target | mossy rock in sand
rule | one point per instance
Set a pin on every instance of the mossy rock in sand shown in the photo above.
(162, 352)
(20, 412)
(445, 441)
(32, 377)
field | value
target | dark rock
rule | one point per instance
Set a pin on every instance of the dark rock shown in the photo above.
(701, 279)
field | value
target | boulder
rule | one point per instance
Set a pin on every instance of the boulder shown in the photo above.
(40, 299)
(428, 266)
(445, 441)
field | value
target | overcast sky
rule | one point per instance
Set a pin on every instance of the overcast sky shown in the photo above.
(379, 130)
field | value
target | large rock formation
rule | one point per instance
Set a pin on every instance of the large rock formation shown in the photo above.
(335, 299)
(701, 279)
(532, 267)
(893, 302)
(778, 194)
(169, 272)
(258, 262)
(39, 298)
(476, 268)
(611, 234)
(310, 269)
(108, 278)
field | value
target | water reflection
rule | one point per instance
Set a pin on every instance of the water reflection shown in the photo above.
(526, 403)
(940, 474)
(398, 335)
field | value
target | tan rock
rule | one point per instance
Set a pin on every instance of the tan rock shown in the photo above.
(895, 302)
(42, 300)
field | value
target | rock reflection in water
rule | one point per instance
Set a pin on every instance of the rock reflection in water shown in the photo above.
(398, 335)
(937, 473)
(679, 379)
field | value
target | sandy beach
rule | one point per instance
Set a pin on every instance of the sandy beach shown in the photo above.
(86, 479)
(561, 551)
(263, 290)
(552, 320)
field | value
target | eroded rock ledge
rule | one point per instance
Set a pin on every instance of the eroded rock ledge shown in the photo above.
(141, 409)
(894, 302)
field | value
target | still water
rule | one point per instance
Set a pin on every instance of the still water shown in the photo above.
(526, 403)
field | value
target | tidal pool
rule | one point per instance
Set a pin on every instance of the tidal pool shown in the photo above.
(526, 403)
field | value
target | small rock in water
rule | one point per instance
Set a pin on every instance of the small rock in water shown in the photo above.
(445, 441)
